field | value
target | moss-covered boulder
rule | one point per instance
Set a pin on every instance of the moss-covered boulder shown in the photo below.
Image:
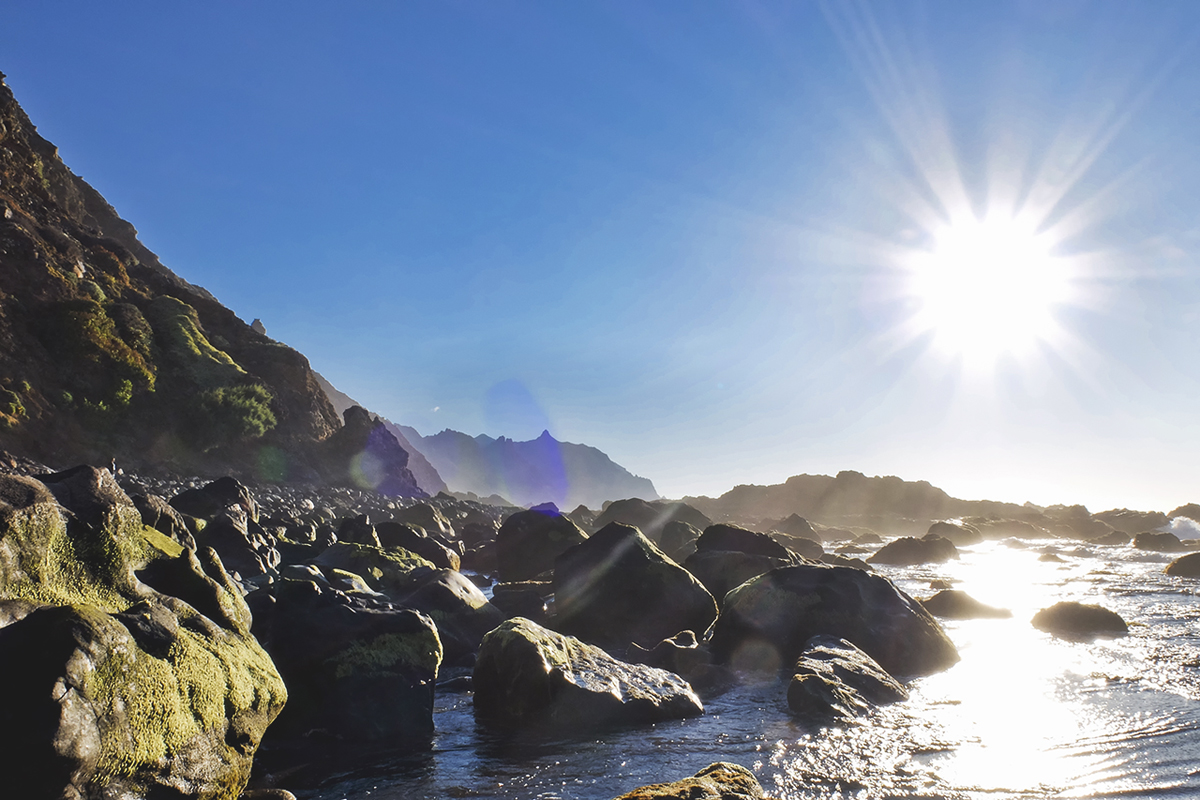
(462, 613)
(416, 540)
(355, 673)
(617, 587)
(108, 687)
(527, 675)
(720, 781)
(765, 622)
(394, 572)
(529, 541)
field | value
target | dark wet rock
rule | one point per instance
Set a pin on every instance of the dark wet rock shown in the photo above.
(960, 534)
(427, 517)
(527, 675)
(798, 526)
(741, 540)
(480, 558)
(651, 517)
(1131, 522)
(678, 540)
(109, 688)
(833, 677)
(462, 613)
(800, 545)
(1113, 538)
(1189, 510)
(1165, 542)
(723, 570)
(1051, 558)
(867, 538)
(683, 655)
(765, 622)
(199, 579)
(363, 453)
(906, 551)
(957, 604)
(162, 516)
(416, 540)
(529, 541)
(720, 781)
(584, 517)
(393, 572)
(243, 546)
(617, 587)
(835, 560)
(940, 583)
(1004, 528)
(358, 530)
(1078, 619)
(213, 498)
(353, 673)
(523, 599)
(1185, 566)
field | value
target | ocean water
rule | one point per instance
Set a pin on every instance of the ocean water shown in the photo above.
(1023, 715)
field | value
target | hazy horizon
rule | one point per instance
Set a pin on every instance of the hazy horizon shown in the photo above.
(723, 244)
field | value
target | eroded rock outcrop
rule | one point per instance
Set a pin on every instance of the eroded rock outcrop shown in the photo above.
(833, 677)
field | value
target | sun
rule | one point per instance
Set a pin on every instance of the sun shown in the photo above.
(986, 288)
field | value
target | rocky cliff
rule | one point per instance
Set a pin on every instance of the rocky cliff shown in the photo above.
(104, 352)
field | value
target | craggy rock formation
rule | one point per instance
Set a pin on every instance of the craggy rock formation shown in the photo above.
(651, 517)
(105, 352)
(720, 781)
(906, 551)
(393, 572)
(766, 621)
(1069, 618)
(1131, 522)
(1185, 566)
(834, 677)
(529, 541)
(110, 686)
(678, 540)
(364, 453)
(957, 604)
(529, 676)
(727, 556)
(959, 534)
(354, 672)
(1165, 542)
(617, 587)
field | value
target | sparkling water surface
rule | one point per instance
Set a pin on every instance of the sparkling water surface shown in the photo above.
(1023, 715)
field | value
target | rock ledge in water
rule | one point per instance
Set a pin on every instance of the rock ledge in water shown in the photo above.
(1078, 619)
(720, 781)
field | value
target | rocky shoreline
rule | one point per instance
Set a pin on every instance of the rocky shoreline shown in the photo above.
(157, 632)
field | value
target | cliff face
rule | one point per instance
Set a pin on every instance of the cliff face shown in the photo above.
(105, 352)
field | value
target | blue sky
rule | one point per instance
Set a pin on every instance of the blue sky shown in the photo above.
(680, 232)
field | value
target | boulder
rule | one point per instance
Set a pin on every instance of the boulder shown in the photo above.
(678, 540)
(723, 570)
(109, 688)
(1131, 522)
(416, 540)
(617, 587)
(1185, 566)
(426, 517)
(800, 545)
(960, 534)
(364, 454)
(1114, 538)
(765, 622)
(212, 498)
(393, 572)
(358, 530)
(833, 677)
(741, 540)
(162, 516)
(244, 547)
(354, 672)
(798, 526)
(957, 604)
(527, 675)
(529, 541)
(650, 518)
(462, 613)
(906, 551)
(720, 781)
(1165, 542)
(1078, 619)
(523, 599)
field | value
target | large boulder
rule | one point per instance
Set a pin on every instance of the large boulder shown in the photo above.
(109, 688)
(1070, 619)
(617, 587)
(426, 517)
(906, 551)
(723, 570)
(527, 675)
(355, 673)
(462, 613)
(960, 534)
(1164, 542)
(957, 604)
(678, 540)
(395, 572)
(650, 517)
(416, 540)
(1185, 566)
(834, 677)
(529, 541)
(741, 540)
(245, 548)
(720, 781)
(212, 498)
(766, 621)
(364, 454)
(163, 517)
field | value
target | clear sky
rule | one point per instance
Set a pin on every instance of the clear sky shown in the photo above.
(724, 242)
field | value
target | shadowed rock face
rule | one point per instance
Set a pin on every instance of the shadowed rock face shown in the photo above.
(834, 677)
(105, 352)
(1073, 619)
(365, 455)
(907, 551)
(957, 604)
(529, 676)
(617, 588)
(1185, 566)
(766, 621)
(529, 541)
